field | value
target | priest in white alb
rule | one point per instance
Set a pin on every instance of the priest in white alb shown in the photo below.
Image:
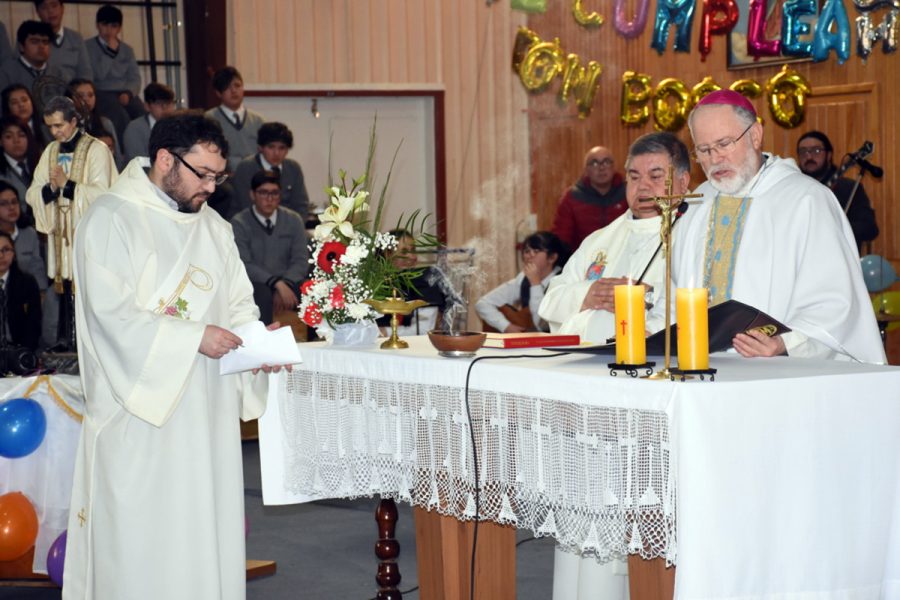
(157, 507)
(580, 299)
(771, 237)
(73, 171)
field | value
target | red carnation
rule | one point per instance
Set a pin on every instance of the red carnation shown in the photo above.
(337, 297)
(306, 285)
(312, 316)
(330, 255)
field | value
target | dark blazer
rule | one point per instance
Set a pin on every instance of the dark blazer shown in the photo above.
(23, 308)
(293, 188)
(9, 175)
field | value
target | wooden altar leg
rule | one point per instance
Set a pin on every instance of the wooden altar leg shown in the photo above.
(444, 556)
(387, 549)
(650, 579)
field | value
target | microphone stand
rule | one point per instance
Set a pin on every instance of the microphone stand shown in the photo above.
(864, 166)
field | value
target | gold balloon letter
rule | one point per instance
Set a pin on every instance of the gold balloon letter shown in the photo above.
(635, 98)
(580, 81)
(585, 19)
(787, 92)
(671, 103)
(542, 62)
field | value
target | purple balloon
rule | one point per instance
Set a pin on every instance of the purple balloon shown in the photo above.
(56, 559)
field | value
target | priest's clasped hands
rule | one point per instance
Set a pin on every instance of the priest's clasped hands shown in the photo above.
(602, 296)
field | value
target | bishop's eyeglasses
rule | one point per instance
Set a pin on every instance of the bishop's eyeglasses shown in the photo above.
(216, 178)
(723, 147)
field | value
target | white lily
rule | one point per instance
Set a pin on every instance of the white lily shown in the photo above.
(336, 216)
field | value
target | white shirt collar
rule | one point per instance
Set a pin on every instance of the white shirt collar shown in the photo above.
(31, 66)
(267, 166)
(4, 279)
(164, 196)
(13, 163)
(60, 35)
(15, 232)
(262, 219)
(151, 120)
(230, 113)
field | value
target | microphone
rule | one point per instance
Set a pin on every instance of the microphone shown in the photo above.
(864, 152)
(865, 165)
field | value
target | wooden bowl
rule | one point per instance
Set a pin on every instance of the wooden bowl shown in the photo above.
(457, 343)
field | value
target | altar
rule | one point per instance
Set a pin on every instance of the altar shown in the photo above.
(780, 478)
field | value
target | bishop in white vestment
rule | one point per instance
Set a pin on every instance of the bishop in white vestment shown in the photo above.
(771, 237)
(157, 509)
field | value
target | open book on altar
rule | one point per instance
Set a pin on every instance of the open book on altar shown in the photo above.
(725, 321)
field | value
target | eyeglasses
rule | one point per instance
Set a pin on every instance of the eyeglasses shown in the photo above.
(811, 151)
(268, 193)
(216, 178)
(721, 148)
(605, 163)
(8, 204)
(6, 250)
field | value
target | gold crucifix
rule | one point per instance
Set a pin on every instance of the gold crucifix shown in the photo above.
(666, 205)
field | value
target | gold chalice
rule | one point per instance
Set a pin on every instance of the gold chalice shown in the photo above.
(395, 306)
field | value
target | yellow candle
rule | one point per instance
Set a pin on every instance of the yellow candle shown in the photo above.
(693, 328)
(631, 342)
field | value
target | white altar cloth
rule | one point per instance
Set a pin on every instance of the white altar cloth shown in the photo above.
(45, 475)
(784, 473)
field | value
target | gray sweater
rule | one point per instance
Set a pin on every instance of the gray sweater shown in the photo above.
(117, 73)
(71, 58)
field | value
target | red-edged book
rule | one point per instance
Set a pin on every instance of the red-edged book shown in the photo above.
(529, 339)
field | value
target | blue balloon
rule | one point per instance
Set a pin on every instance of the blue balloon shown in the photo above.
(878, 273)
(673, 12)
(23, 425)
(824, 40)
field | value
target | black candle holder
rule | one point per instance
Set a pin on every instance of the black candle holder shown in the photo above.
(631, 370)
(684, 374)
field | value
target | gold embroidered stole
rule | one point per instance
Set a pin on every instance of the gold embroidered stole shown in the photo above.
(63, 228)
(723, 240)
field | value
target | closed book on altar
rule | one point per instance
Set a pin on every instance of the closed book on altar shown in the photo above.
(725, 321)
(529, 339)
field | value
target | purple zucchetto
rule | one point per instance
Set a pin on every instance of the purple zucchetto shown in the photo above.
(729, 97)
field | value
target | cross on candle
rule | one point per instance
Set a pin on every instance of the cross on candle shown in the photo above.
(623, 324)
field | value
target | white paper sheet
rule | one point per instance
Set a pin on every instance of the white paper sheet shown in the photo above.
(260, 347)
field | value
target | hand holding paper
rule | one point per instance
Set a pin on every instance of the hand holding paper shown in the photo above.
(261, 347)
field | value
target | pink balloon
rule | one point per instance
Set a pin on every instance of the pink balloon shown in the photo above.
(56, 559)
(630, 29)
(757, 44)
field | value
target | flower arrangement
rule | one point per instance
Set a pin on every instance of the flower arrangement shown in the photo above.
(350, 256)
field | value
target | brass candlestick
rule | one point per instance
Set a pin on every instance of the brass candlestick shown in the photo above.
(395, 306)
(666, 205)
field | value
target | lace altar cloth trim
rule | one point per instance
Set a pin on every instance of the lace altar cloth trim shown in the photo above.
(595, 478)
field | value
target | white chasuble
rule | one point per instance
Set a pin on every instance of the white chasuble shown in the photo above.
(623, 248)
(796, 261)
(157, 505)
(92, 168)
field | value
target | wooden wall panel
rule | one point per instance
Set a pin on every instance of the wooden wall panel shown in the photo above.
(462, 46)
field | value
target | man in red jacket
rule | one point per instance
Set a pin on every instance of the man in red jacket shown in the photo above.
(593, 202)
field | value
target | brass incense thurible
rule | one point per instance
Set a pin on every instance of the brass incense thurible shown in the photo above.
(395, 306)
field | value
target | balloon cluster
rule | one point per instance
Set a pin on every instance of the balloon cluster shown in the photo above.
(672, 100)
(539, 62)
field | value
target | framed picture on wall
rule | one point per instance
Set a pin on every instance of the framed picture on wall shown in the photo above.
(738, 58)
